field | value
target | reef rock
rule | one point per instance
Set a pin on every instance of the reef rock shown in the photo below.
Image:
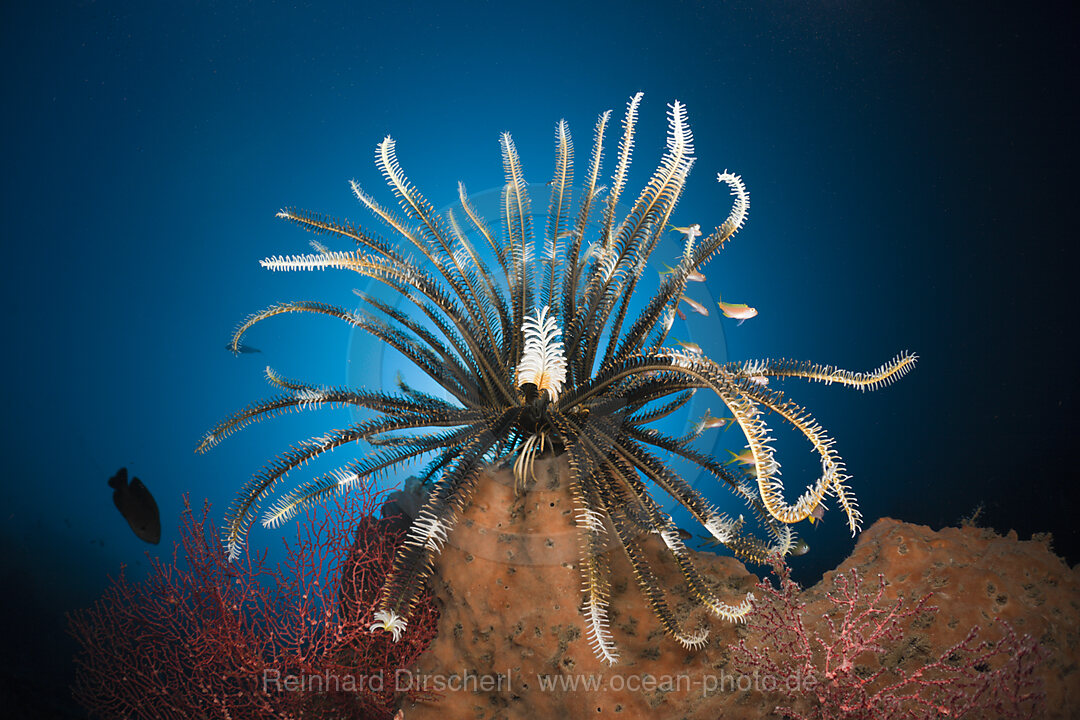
(512, 644)
(978, 576)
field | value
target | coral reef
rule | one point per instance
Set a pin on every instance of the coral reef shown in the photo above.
(502, 581)
(506, 585)
(549, 351)
(200, 637)
(205, 638)
(977, 578)
(861, 666)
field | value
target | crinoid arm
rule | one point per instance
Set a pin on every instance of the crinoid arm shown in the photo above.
(883, 376)
(538, 351)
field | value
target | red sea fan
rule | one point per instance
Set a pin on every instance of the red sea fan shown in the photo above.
(860, 661)
(204, 638)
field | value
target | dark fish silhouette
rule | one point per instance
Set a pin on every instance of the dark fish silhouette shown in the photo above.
(403, 505)
(242, 349)
(137, 506)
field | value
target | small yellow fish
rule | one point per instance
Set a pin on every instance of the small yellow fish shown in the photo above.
(693, 276)
(737, 311)
(746, 457)
(708, 422)
(724, 423)
(683, 534)
(800, 547)
(690, 231)
(698, 307)
(690, 346)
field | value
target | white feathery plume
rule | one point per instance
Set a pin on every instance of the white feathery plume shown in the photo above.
(596, 627)
(542, 361)
(389, 621)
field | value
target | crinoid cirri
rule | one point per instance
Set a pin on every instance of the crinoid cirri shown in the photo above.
(544, 352)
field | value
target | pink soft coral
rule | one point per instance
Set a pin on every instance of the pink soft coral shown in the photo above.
(863, 661)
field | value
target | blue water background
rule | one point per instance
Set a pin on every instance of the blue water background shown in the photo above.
(910, 170)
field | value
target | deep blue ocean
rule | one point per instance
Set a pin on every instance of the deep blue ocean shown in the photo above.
(911, 172)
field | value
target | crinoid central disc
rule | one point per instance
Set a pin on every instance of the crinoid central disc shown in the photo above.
(372, 363)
